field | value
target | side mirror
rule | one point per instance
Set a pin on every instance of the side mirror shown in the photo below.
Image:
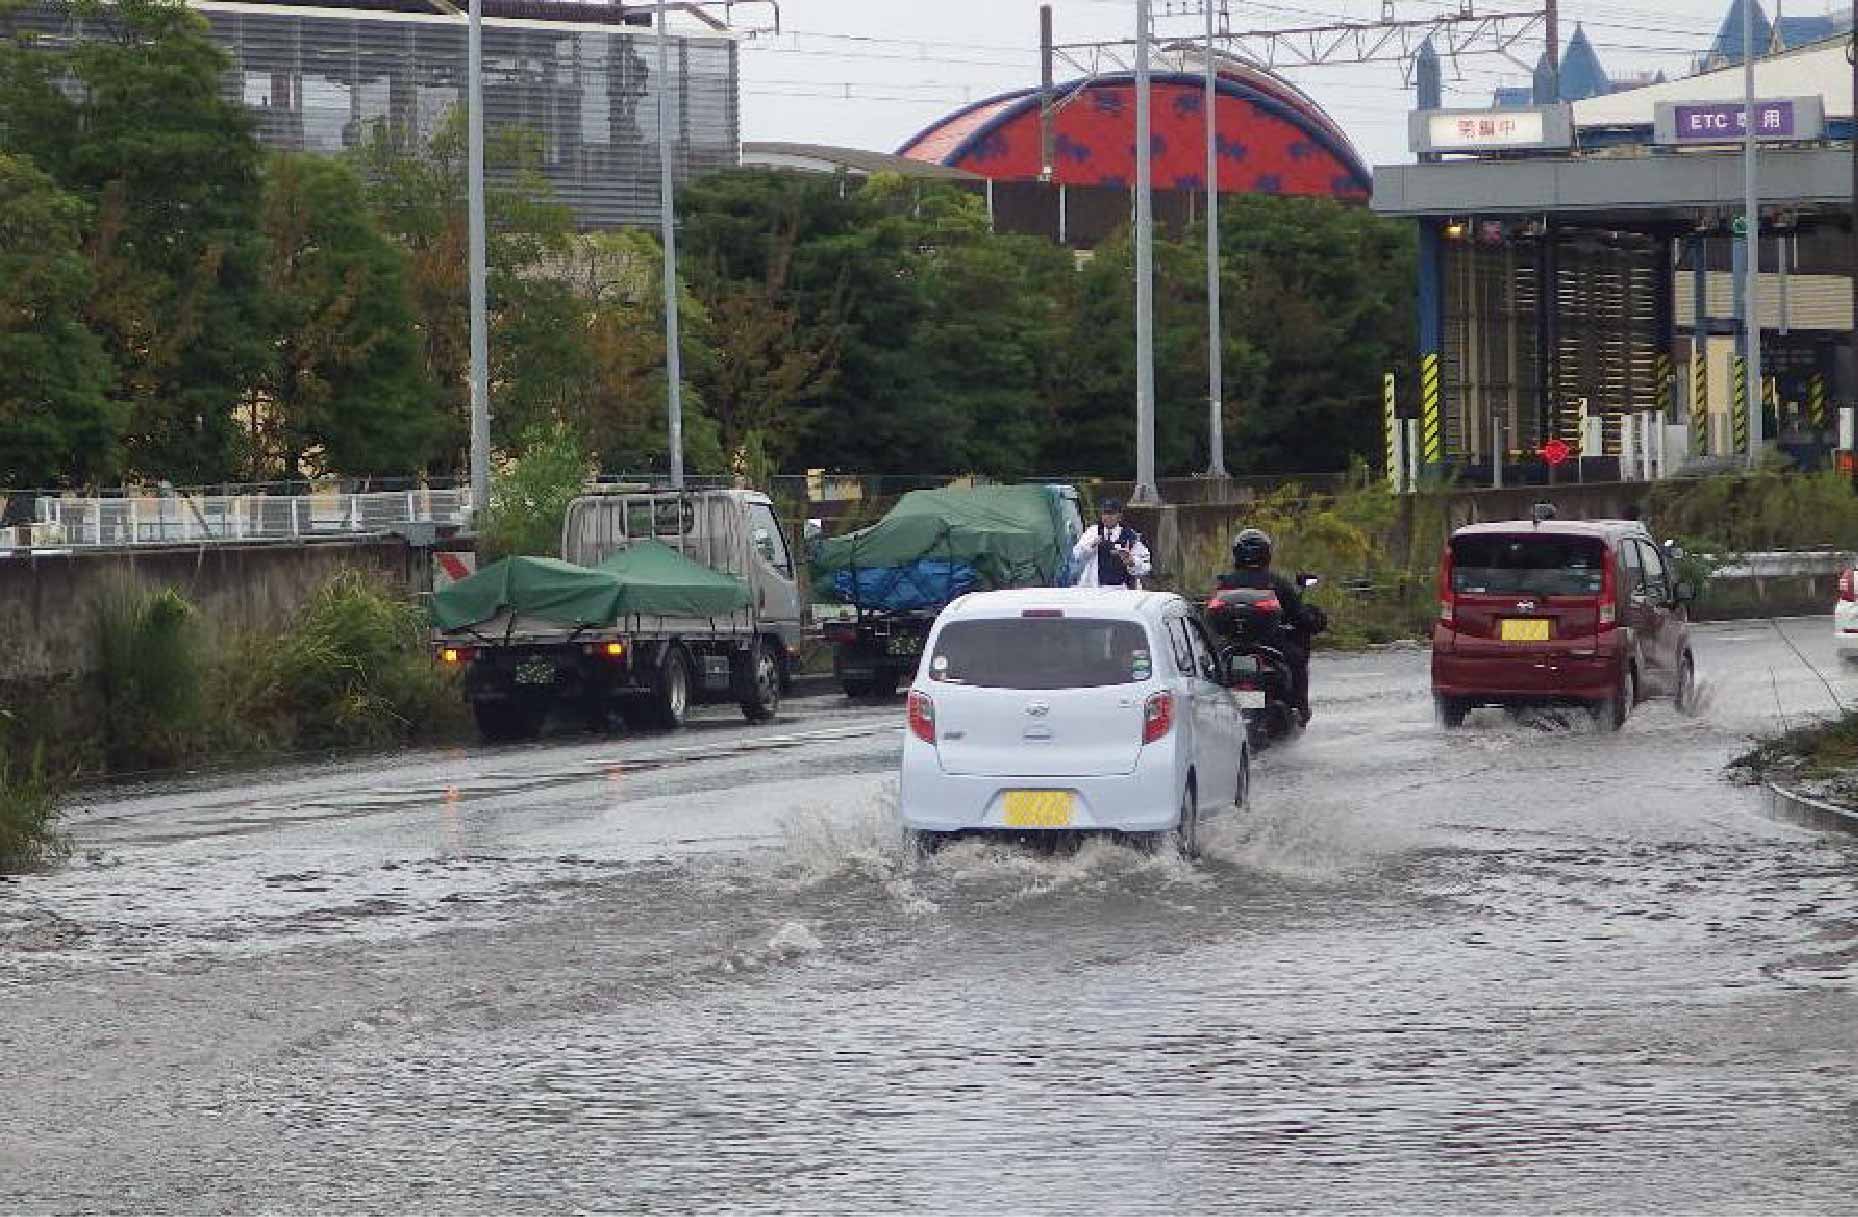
(1686, 591)
(1307, 581)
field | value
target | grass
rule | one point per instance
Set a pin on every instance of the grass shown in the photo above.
(1817, 751)
(29, 836)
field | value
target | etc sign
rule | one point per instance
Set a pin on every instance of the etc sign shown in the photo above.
(1787, 120)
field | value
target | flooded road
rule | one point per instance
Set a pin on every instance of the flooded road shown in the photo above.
(1523, 968)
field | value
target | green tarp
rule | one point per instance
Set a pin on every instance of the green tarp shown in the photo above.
(1013, 536)
(648, 579)
(660, 582)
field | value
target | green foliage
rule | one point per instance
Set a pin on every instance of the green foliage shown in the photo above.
(1772, 509)
(353, 670)
(149, 663)
(347, 392)
(29, 836)
(134, 122)
(529, 496)
(58, 425)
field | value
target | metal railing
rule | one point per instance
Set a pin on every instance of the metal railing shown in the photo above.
(66, 523)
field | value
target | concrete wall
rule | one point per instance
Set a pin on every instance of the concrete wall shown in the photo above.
(46, 599)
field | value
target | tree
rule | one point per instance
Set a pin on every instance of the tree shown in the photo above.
(420, 196)
(1319, 305)
(347, 392)
(529, 495)
(58, 425)
(148, 138)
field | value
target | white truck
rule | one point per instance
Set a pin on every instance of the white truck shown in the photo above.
(660, 600)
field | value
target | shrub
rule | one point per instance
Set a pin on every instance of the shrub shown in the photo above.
(529, 496)
(28, 816)
(149, 663)
(354, 670)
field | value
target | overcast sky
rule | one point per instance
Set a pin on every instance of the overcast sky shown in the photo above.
(871, 73)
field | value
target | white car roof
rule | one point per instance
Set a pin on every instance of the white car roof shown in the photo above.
(1113, 603)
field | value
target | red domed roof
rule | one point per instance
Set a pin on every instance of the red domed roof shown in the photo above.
(1272, 138)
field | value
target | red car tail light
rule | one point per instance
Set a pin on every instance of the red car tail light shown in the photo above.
(1157, 717)
(1846, 591)
(922, 717)
(1446, 604)
(1609, 597)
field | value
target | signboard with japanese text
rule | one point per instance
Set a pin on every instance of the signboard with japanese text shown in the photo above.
(1783, 120)
(1537, 129)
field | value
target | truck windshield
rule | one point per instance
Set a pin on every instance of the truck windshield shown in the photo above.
(1527, 565)
(1042, 653)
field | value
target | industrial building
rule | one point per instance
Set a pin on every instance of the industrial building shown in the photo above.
(583, 77)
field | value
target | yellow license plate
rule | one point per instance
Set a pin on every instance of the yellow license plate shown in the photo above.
(1525, 630)
(1038, 809)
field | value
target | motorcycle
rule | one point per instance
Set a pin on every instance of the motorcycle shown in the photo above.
(1250, 627)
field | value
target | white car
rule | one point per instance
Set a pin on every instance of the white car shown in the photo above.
(1073, 710)
(1845, 617)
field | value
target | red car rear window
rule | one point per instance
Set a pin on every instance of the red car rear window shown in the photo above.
(1527, 565)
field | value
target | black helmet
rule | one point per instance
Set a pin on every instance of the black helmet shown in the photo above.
(1251, 549)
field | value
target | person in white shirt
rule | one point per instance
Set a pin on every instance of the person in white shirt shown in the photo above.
(1109, 555)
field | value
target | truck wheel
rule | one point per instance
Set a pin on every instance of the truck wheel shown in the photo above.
(671, 691)
(758, 683)
(504, 722)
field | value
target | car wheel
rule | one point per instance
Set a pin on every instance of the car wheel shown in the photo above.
(1450, 711)
(758, 684)
(1612, 713)
(922, 842)
(1687, 685)
(671, 696)
(1184, 837)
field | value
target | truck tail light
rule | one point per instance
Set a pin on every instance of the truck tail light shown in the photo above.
(922, 717)
(1157, 717)
(457, 655)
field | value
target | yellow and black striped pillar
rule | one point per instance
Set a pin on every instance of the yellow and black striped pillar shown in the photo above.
(1700, 401)
(1390, 423)
(1662, 373)
(1738, 418)
(1431, 420)
(1816, 401)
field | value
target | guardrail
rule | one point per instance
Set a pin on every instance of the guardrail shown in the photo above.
(70, 523)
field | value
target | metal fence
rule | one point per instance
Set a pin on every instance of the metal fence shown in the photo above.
(199, 519)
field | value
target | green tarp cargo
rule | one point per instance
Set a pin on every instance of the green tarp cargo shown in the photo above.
(1011, 536)
(647, 579)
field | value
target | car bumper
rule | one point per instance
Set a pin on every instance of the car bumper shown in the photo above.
(1515, 678)
(1145, 800)
(1845, 629)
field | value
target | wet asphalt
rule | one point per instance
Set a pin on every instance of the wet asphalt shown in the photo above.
(1522, 968)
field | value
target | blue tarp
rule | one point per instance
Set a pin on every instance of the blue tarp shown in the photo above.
(927, 583)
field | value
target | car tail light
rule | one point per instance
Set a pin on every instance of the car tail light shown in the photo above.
(1446, 603)
(1157, 717)
(1214, 604)
(1609, 597)
(922, 717)
(1846, 591)
(1268, 606)
(458, 655)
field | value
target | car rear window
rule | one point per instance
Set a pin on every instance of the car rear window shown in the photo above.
(1535, 566)
(1042, 653)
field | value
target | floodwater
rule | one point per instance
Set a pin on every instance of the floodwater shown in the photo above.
(1525, 968)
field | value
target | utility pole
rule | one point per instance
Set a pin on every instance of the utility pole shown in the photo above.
(1215, 355)
(1047, 120)
(1145, 491)
(1552, 19)
(1751, 206)
(480, 339)
(674, 362)
(1851, 53)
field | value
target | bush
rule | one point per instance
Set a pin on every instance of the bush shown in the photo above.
(149, 663)
(354, 670)
(1773, 509)
(28, 816)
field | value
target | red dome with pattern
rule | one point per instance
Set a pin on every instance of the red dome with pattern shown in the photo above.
(1272, 139)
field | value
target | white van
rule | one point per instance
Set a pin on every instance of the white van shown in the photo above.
(1079, 709)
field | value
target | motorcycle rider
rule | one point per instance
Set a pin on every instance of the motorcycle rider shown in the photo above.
(1251, 568)
(1109, 555)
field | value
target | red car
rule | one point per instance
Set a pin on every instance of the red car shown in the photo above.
(1545, 612)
